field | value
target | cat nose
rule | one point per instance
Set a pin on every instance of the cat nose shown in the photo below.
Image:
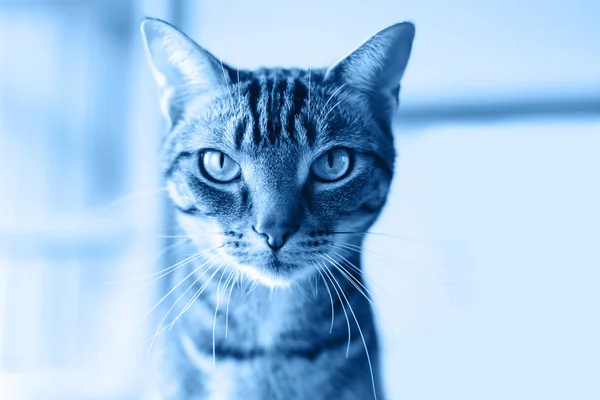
(276, 232)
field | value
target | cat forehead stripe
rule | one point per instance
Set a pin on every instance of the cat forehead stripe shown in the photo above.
(274, 104)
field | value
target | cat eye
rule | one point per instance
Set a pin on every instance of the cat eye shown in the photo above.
(332, 165)
(219, 167)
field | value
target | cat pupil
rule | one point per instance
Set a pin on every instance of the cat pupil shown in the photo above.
(222, 160)
(330, 159)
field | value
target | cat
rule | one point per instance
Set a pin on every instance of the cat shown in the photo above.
(274, 175)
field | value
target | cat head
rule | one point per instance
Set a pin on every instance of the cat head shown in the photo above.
(279, 171)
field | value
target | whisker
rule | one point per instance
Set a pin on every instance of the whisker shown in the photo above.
(297, 284)
(354, 281)
(312, 281)
(194, 298)
(159, 330)
(252, 288)
(350, 265)
(187, 306)
(179, 284)
(348, 248)
(389, 235)
(358, 249)
(132, 196)
(178, 265)
(237, 274)
(325, 269)
(330, 297)
(409, 269)
(159, 255)
(361, 335)
(170, 247)
(226, 285)
(331, 109)
(190, 235)
(331, 97)
(347, 251)
(217, 303)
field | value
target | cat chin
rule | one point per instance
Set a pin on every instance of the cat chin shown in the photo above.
(271, 278)
(265, 279)
(269, 272)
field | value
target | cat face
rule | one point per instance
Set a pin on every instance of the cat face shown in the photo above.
(277, 169)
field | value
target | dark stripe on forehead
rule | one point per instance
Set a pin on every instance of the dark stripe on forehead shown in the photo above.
(278, 101)
(253, 95)
(266, 110)
(311, 132)
(289, 120)
(299, 94)
(239, 133)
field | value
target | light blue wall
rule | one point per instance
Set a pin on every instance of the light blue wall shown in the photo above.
(492, 289)
(463, 49)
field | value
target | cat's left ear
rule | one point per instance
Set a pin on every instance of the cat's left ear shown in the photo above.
(181, 68)
(377, 65)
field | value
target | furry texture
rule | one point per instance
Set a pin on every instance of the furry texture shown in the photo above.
(272, 304)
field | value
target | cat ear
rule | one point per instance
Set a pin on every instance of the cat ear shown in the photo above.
(376, 66)
(180, 67)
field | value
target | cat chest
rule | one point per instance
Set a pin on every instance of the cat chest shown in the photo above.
(269, 377)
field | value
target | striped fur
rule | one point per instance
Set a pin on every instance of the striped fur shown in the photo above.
(298, 318)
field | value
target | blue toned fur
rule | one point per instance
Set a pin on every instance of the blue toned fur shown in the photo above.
(274, 176)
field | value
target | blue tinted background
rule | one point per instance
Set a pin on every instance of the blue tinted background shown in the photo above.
(488, 287)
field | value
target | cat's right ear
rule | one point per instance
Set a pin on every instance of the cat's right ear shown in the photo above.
(376, 67)
(180, 67)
